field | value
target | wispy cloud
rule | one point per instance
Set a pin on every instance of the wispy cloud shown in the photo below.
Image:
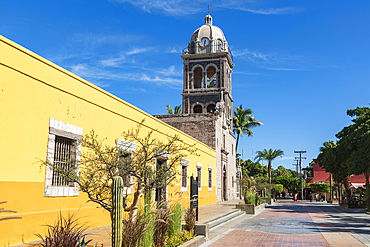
(113, 62)
(138, 50)
(286, 158)
(271, 11)
(278, 61)
(188, 7)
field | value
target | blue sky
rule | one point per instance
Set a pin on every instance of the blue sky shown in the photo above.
(298, 64)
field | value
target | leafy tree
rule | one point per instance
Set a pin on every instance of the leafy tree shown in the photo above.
(254, 169)
(289, 183)
(320, 187)
(243, 121)
(177, 110)
(333, 158)
(100, 163)
(269, 155)
(356, 138)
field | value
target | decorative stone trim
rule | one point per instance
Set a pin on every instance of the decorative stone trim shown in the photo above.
(129, 147)
(126, 145)
(66, 130)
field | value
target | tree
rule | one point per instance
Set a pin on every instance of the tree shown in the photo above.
(100, 163)
(289, 183)
(254, 169)
(269, 155)
(243, 121)
(177, 110)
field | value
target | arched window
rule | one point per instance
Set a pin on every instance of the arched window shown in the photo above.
(198, 109)
(211, 77)
(218, 45)
(198, 78)
(211, 108)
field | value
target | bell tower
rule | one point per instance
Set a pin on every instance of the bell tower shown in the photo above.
(207, 103)
(208, 64)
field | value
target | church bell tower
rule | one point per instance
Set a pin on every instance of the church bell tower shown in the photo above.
(208, 64)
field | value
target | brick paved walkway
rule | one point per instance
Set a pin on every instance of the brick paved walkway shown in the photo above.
(289, 223)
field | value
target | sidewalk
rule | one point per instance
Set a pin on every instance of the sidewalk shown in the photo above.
(289, 223)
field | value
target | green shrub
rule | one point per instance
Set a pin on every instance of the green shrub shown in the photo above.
(259, 200)
(174, 225)
(178, 239)
(250, 198)
(268, 194)
(189, 218)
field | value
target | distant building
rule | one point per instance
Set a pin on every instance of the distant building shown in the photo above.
(319, 175)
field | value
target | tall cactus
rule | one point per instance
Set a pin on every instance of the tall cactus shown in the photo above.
(117, 211)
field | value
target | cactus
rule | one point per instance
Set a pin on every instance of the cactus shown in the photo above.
(117, 211)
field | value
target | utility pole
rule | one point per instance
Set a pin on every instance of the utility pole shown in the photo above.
(296, 176)
(300, 168)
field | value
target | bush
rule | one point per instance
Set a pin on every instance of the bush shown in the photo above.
(66, 232)
(189, 218)
(250, 198)
(268, 194)
(134, 228)
(259, 200)
(174, 225)
(162, 218)
(178, 239)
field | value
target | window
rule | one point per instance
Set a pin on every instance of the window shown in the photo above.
(184, 175)
(209, 178)
(64, 153)
(161, 187)
(199, 176)
(198, 109)
(126, 149)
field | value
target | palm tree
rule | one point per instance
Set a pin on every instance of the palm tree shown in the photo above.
(178, 109)
(242, 122)
(270, 156)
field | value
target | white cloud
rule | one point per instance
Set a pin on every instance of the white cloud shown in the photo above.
(112, 62)
(138, 50)
(187, 7)
(286, 158)
(271, 11)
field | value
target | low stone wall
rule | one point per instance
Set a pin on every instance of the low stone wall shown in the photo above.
(251, 208)
(268, 200)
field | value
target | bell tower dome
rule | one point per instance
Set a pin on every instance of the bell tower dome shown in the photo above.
(208, 67)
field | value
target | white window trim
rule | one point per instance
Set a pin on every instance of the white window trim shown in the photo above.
(184, 162)
(129, 147)
(71, 131)
(199, 165)
(210, 169)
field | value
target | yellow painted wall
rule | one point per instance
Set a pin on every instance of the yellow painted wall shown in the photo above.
(32, 90)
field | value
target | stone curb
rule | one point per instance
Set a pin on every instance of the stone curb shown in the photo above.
(195, 242)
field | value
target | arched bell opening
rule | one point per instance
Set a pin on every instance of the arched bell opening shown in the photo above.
(198, 78)
(198, 109)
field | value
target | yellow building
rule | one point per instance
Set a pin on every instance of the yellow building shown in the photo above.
(41, 102)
